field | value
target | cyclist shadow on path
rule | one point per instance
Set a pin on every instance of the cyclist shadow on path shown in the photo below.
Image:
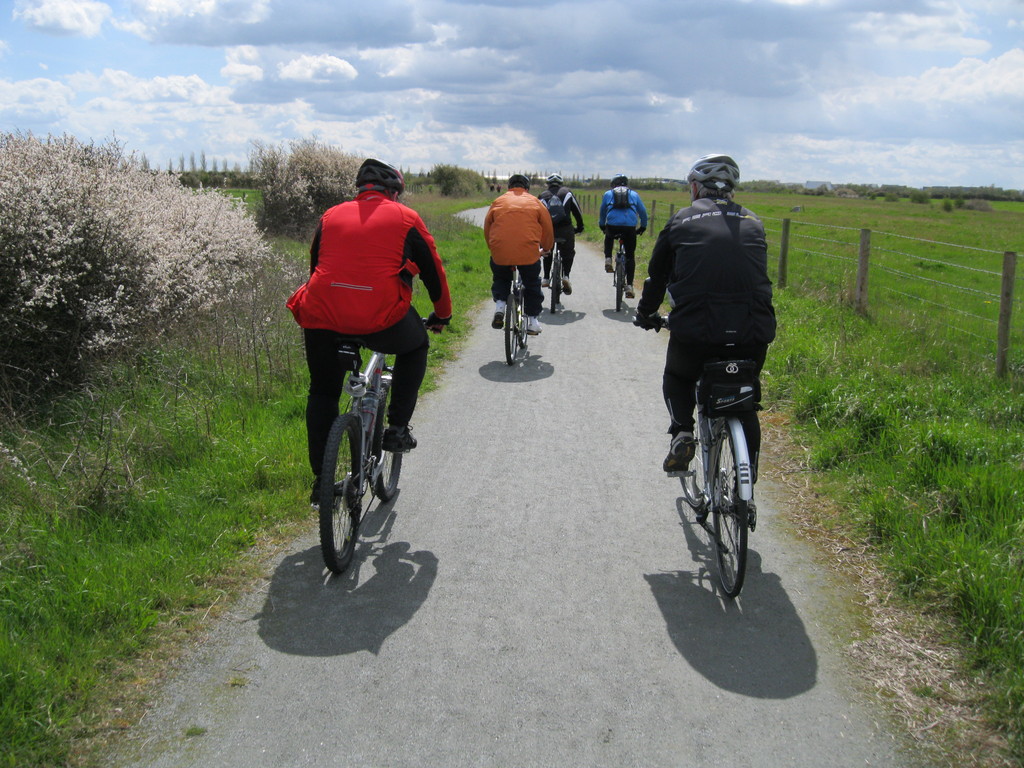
(627, 315)
(562, 317)
(756, 646)
(306, 615)
(533, 368)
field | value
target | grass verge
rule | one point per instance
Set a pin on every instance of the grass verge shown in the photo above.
(133, 510)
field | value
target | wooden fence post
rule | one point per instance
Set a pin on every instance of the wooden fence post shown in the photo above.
(1005, 313)
(784, 254)
(861, 290)
(651, 217)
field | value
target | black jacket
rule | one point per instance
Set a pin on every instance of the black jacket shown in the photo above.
(712, 258)
(572, 206)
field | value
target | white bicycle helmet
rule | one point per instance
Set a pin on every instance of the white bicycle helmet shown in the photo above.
(715, 171)
(554, 178)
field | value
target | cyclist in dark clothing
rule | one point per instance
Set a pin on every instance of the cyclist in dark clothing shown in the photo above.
(563, 230)
(623, 214)
(712, 258)
(363, 258)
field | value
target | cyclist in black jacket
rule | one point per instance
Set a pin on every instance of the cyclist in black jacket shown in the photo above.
(712, 258)
(563, 230)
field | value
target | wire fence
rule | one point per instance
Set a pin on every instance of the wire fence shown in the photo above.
(960, 300)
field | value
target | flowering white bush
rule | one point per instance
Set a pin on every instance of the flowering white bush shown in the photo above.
(298, 186)
(98, 255)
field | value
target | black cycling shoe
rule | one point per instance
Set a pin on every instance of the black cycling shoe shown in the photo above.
(398, 440)
(680, 453)
(314, 494)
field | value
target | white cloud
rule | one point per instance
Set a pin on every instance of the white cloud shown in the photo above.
(242, 64)
(941, 31)
(64, 17)
(971, 81)
(323, 68)
(231, 11)
(33, 100)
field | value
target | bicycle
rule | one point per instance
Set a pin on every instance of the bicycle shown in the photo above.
(719, 482)
(556, 275)
(354, 458)
(619, 273)
(515, 320)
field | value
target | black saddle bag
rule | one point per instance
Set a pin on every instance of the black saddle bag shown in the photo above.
(729, 387)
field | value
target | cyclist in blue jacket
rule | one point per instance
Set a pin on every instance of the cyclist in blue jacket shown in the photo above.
(622, 214)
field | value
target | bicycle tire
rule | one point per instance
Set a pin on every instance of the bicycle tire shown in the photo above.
(556, 280)
(511, 332)
(620, 280)
(729, 514)
(340, 499)
(387, 465)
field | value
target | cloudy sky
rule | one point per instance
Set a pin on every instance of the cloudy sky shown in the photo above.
(916, 92)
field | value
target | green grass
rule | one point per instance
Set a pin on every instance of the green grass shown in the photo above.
(930, 461)
(132, 509)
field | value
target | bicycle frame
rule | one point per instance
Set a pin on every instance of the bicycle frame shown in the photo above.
(364, 387)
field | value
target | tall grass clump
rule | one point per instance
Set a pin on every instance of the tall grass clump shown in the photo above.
(99, 257)
(933, 460)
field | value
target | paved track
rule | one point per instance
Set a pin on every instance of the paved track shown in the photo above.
(533, 597)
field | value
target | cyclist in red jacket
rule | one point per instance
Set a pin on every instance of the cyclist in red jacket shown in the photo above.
(363, 258)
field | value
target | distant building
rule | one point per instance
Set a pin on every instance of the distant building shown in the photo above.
(826, 185)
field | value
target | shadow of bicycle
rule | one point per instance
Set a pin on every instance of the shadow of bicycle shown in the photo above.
(527, 368)
(627, 315)
(309, 614)
(756, 645)
(562, 317)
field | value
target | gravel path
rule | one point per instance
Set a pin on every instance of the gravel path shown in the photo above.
(534, 596)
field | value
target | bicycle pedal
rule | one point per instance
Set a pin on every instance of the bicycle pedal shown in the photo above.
(680, 473)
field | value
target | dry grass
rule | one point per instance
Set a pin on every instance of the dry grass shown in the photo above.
(907, 658)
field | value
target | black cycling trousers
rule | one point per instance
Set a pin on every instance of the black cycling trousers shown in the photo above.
(684, 363)
(501, 285)
(407, 340)
(628, 240)
(567, 249)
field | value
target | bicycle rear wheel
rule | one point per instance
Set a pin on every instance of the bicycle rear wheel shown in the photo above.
(387, 465)
(511, 332)
(730, 517)
(556, 280)
(620, 280)
(340, 498)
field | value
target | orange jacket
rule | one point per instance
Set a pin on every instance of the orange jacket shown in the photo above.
(517, 228)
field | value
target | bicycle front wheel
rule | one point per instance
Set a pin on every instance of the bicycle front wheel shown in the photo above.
(556, 281)
(340, 496)
(387, 465)
(730, 517)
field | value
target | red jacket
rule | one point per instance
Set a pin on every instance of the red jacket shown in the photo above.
(362, 261)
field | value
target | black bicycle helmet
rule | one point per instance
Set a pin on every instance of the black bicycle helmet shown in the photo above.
(715, 171)
(379, 176)
(620, 180)
(518, 180)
